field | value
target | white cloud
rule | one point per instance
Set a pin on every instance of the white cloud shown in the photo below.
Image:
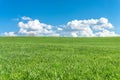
(105, 33)
(26, 18)
(74, 34)
(9, 34)
(59, 29)
(81, 27)
(90, 28)
(76, 28)
(36, 28)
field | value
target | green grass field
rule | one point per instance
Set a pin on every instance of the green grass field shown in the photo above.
(55, 58)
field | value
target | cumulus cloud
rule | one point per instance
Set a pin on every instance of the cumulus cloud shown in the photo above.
(74, 34)
(9, 34)
(90, 28)
(36, 28)
(105, 33)
(75, 28)
(59, 29)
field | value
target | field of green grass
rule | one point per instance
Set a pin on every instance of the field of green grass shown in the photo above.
(58, 58)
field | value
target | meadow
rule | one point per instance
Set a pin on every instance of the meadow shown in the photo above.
(59, 58)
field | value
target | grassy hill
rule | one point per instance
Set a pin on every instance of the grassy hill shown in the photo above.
(59, 58)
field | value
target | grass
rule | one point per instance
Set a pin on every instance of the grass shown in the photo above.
(57, 58)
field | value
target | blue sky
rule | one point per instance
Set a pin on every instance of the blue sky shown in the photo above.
(57, 12)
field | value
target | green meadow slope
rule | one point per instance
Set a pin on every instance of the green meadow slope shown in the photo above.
(55, 58)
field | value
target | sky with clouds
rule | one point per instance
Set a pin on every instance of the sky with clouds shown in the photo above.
(73, 18)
